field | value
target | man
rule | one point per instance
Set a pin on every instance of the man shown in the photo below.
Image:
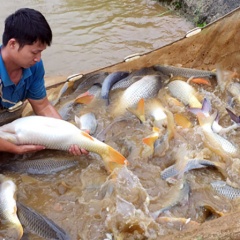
(26, 35)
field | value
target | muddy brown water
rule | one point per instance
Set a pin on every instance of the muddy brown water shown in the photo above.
(88, 36)
(89, 203)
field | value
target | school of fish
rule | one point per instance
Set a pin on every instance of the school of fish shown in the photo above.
(167, 138)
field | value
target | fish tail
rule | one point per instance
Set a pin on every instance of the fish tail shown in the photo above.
(182, 120)
(150, 140)
(233, 116)
(203, 120)
(84, 98)
(113, 159)
(139, 112)
(206, 108)
(174, 101)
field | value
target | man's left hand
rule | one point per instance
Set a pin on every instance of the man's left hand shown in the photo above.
(76, 151)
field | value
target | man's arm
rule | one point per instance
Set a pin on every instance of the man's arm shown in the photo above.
(43, 107)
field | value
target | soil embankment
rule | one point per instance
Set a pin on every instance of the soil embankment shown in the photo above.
(201, 12)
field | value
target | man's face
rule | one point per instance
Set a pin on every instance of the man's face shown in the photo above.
(28, 55)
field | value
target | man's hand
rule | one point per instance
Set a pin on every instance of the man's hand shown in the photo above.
(22, 149)
(6, 146)
(76, 151)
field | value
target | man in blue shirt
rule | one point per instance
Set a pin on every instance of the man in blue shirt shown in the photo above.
(25, 36)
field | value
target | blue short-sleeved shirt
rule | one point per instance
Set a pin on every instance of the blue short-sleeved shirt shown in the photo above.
(31, 85)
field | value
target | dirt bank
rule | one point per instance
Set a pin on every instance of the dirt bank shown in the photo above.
(201, 12)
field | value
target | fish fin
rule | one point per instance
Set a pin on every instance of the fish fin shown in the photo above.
(194, 110)
(85, 134)
(171, 124)
(150, 140)
(233, 116)
(84, 98)
(156, 130)
(113, 159)
(203, 120)
(206, 108)
(200, 81)
(174, 101)
(181, 161)
(139, 112)
(182, 121)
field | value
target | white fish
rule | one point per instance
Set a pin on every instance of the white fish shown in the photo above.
(58, 134)
(162, 116)
(146, 87)
(216, 127)
(8, 208)
(215, 142)
(190, 164)
(87, 122)
(185, 93)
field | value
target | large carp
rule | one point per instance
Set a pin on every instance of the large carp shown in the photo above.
(60, 135)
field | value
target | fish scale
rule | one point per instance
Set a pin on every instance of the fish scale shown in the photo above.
(185, 72)
(40, 166)
(172, 170)
(146, 87)
(40, 224)
(225, 190)
(184, 92)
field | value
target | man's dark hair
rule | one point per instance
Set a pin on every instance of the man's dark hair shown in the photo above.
(27, 26)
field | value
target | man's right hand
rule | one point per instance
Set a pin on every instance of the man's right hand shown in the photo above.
(6, 146)
(22, 149)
